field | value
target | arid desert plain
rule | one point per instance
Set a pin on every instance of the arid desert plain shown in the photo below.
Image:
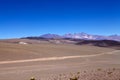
(49, 61)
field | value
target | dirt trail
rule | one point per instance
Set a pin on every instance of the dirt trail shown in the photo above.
(57, 58)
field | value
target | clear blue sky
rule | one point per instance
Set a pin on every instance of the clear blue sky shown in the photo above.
(19, 18)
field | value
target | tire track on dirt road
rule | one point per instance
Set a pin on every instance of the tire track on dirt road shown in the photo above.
(57, 58)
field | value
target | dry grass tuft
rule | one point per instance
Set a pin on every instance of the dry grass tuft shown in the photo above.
(97, 74)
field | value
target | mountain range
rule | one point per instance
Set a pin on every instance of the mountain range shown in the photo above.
(82, 35)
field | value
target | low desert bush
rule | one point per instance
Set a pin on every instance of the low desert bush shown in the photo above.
(32, 78)
(94, 74)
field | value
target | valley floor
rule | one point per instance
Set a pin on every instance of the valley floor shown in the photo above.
(47, 61)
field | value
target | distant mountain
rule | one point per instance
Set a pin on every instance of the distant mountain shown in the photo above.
(92, 37)
(82, 35)
(112, 41)
(79, 36)
(54, 36)
(114, 37)
(44, 37)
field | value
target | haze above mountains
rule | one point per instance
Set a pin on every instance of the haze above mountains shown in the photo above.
(81, 35)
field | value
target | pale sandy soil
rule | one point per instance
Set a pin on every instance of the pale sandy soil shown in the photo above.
(48, 61)
(17, 52)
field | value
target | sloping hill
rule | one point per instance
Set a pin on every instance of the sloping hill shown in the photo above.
(100, 43)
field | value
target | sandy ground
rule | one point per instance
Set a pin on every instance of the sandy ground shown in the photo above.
(58, 58)
(76, 58)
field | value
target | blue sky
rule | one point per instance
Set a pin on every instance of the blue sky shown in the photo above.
(19, 18)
